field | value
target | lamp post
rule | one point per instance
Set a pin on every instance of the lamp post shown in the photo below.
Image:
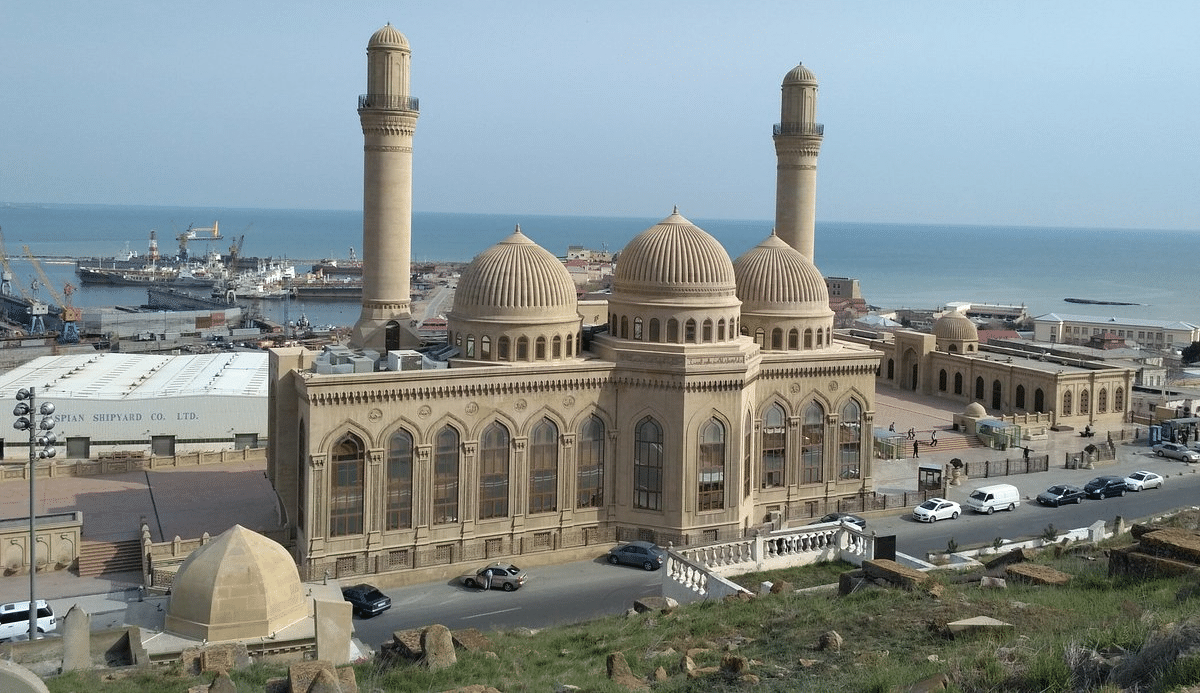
(25, 411)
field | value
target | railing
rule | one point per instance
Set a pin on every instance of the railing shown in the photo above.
(985, 469)
(389, 101)
(120, 462)
(816, 129)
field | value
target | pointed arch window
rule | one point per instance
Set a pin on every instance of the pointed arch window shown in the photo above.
(721, 330)
(1066, 407)
(556, 347)
(590, 484)
(711, 484)
(346, 488)
(637, 329)
(942, 380)
(543, 468)
(774, 447)
(502, 351)
(673, 331)
(793, 339)
(523, 348)
(493, 472)
(958, 383)
(654, 333)
(777, 339)
(398, 505)
(1039, 400)
(539, 349)
(470, 346)
(707, 330)
(485, 348)
(1020, 397)
(1085, 402)
(1102, 401)
(445, 476)
(760, 338)
(850, 441)
(812, 450)
(647, 465)
(689, 331)
(1118, 400)
(808, 343)
(979, 388)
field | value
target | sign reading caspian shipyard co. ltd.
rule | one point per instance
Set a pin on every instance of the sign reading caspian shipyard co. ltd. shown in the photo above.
(209, 417)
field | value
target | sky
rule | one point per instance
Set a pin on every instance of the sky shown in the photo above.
(1019, 113)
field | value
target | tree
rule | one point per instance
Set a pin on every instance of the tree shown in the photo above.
(1191, 353)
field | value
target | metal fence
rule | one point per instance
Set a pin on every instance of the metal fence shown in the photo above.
(987, 469)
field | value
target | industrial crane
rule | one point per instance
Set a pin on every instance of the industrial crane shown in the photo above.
(70, 314)
(210, 233)
(37, 309)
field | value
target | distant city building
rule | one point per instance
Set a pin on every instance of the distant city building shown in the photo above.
(1147, 333)
(700, 397)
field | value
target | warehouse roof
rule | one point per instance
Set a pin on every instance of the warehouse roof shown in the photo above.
(114, 376)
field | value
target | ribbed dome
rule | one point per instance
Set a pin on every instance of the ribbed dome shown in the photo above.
(800, 75)
(387, 37)
(516, 278)
(674, 258)
(239, 585)
(975, 410)
(773, 277)
(955, 326)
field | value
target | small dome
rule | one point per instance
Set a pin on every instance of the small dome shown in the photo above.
(239, 585)
(975, 410)
(800, 75)
(516, 279)
(674, 258)
(955, 326)
(387, 37)
(773, 277)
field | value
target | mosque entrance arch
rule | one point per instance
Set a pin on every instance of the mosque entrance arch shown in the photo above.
(913, 385)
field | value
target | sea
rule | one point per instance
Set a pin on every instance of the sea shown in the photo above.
(920, 266)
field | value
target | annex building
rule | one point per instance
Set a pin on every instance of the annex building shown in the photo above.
(1086, 329)
(714, 399)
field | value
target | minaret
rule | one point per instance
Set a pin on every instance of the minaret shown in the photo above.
(389, 117)
(797, 143)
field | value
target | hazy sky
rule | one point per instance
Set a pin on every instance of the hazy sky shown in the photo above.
(1014, 113)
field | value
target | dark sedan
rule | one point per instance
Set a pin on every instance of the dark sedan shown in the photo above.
(367, 600)
(1105, 486)
(639, 553)
(840, 517)
(1061, 493)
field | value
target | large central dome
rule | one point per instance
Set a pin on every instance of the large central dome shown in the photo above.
(674, 259)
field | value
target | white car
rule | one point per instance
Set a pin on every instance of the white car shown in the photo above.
(1176, 451)
(1140, 481)
(936, 509)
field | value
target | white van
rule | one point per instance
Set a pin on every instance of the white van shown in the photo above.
(14, 619)
(989, 499)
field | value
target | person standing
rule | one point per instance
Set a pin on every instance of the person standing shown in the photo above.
(916, 449)
(487, 579)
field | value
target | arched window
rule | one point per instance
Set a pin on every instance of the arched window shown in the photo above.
(590, 485)
(953, 348)
(711, 483)
(1066, 408)
(470, 346)
(820, 337)
(849, 441)
(673, 331)
(1102, 401)
(997, 401)
(637, 329)
(777, 339)
(1118, 400)
(570, 345)
(813, 446)
(624, 327)
(808, 344)
(539, 349)
(979, 388)
(1039, 400)
(556, 346)
(891, 369)
(522, 348)
(493, 472)
(647, 465)
(793, 339)
(543, 468)
(1085, 402)
(398, 505)
(958, 383)
(346, 488)
(942, 380)
(721, 330)
(1020, 403)
(502, 351)
(485, 348)
(445, 477)
(774, 447)
(760, 337)
(706, 330)
(689, 331)
(654, 332)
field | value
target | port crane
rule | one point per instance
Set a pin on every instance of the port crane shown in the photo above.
(70, 314)
(37, 309)
(203, 233)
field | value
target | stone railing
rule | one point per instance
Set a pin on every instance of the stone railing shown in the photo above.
(698, 572)
(130, 461)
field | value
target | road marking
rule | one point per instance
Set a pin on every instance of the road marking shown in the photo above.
(490, 613)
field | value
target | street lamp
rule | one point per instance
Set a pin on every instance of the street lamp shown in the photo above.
(39, 436)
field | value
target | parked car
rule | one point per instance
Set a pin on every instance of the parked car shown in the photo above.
(1176, 451)
(504, 576)
(1105, 486)
(14, 619)
(367, 600)
(1140, 481)
(640, 553)
(1061, 493)
(936, 509)
(840, 517)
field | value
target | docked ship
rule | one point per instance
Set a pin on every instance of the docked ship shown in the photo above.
(181, 272)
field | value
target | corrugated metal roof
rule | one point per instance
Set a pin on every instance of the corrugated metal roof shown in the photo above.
(110, 376)
(1100, 320)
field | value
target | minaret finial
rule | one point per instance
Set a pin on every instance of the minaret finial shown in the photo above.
(675, 209)
(518, 229)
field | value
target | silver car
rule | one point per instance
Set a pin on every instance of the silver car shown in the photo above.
(1176, 451)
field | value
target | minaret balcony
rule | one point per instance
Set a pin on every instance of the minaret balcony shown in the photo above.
(815, 129)
(391, 102)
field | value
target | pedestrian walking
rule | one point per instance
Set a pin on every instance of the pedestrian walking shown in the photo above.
(892, 428)
(912, 434)
(916, 449)
(1026, 455)
(933, 438)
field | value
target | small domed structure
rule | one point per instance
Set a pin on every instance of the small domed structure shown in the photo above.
(975, 410)
(515, 302)
(799, 75)
(674, 283)
(785, 304)
(239, 585)
(387, 37)
(954, 332)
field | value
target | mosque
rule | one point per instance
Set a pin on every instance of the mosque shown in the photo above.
(715, 399)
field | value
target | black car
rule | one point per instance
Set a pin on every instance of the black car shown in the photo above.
(640, 553)
(839, 517)
(1105, 486)
(1061, 493)
(367, 600)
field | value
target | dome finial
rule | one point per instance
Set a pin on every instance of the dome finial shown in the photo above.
(675, 209)
(518, 229)
(772, 230)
